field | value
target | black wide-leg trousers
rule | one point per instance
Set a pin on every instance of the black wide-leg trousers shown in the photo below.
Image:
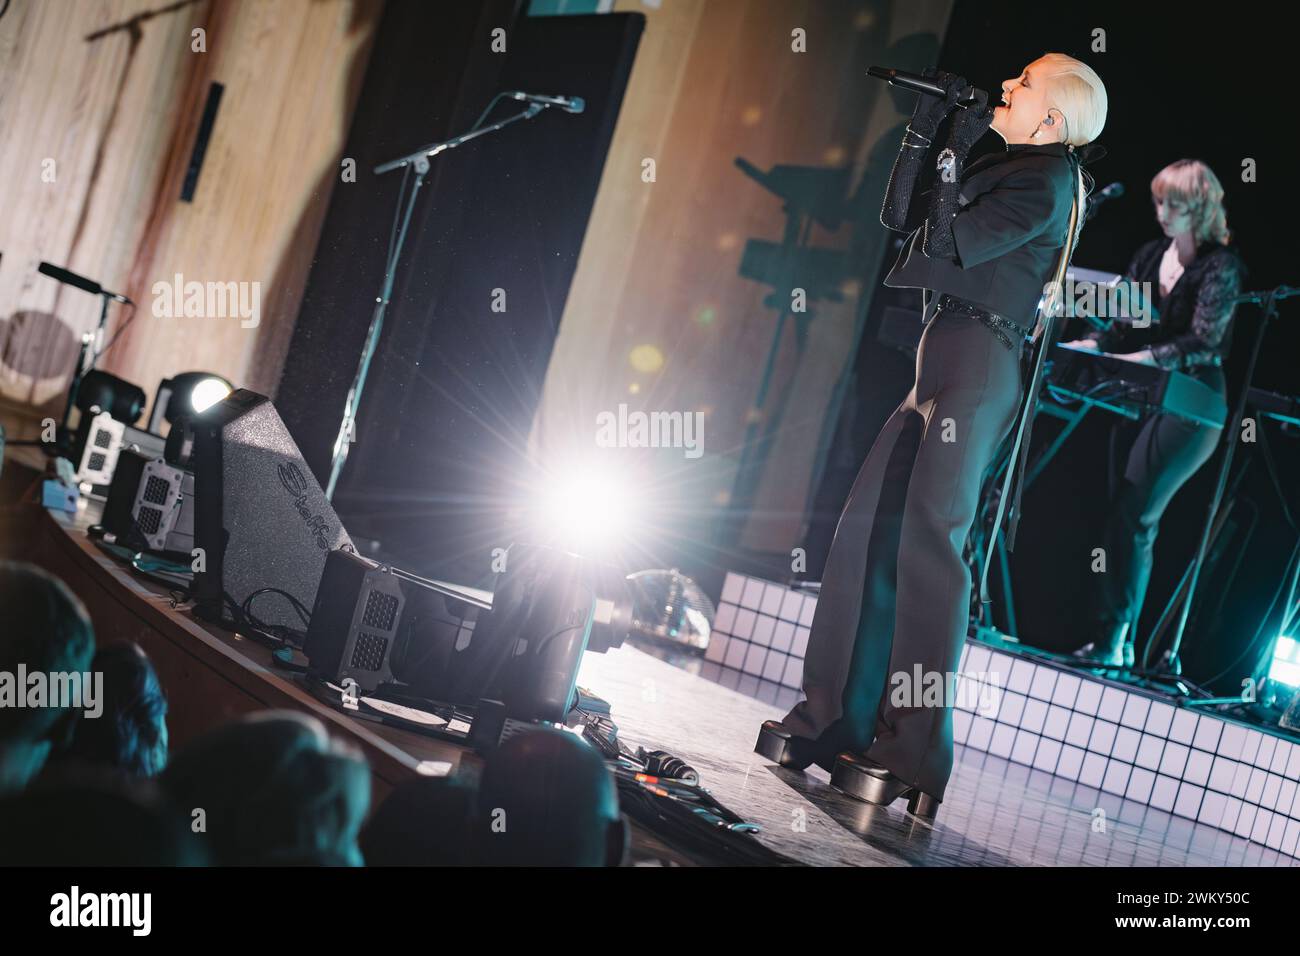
(896, 589)
(1164, 453)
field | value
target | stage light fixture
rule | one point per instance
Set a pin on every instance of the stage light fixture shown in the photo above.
(549, 607)
(587, 509)
(1285, 667)
(188, 393)
(208, 392)
(108, 393)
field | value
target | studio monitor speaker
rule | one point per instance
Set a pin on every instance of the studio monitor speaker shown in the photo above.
(150, 506)
(380, 625)
(263, 523)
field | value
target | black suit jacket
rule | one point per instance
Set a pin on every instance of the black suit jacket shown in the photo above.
(1009, 233)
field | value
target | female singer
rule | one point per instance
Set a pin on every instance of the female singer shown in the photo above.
(895, 595)
(1194, 275)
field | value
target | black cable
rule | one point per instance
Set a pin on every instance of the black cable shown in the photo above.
(113, 341)
(677, 823)
(1255, 640)
(484, 115)
(303, 614)
(397, 217)
(263, 634)
(1269, 463)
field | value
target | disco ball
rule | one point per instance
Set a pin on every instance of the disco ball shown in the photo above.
(669, 607)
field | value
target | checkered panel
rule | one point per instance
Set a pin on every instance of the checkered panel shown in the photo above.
(1132, 745)
(761, 630)
(1119, 741)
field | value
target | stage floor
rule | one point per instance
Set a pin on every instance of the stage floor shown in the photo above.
(996, 813)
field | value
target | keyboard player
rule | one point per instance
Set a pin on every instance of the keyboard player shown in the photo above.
(1189, 278)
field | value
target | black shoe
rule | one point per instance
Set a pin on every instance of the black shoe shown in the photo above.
(860, 777)
(1108, 650)
(776, 743)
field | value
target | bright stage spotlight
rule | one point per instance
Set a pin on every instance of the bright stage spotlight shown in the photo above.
(188, 393)
(588, 510)
(208, 392)
(1285, 666)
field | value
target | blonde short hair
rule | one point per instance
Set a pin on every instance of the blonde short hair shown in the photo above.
(1077, 91)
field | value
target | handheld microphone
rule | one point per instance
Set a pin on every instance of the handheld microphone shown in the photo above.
(68, 277)
(919, 84)
(571, 104)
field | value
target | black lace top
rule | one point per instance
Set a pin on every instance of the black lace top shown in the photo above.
(1193, 322)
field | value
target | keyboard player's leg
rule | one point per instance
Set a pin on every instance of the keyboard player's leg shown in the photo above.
(1165, 454)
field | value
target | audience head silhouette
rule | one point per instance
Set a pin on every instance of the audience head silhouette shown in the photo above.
(273, 788)
(46, 630)
(547, 799)
(85, 816)
(131, 734)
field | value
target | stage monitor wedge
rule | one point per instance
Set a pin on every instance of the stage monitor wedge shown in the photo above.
(263, 523)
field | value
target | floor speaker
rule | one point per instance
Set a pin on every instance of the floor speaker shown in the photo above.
(263, 523)
(379, 625)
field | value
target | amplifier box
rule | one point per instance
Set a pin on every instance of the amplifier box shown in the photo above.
(379, 625)
(151, 505)
(100, 440)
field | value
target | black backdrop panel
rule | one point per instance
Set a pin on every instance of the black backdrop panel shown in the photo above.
(444, 422)
(430, 73)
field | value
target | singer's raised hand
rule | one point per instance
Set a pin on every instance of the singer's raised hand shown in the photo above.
(972, 123)
(930, 110)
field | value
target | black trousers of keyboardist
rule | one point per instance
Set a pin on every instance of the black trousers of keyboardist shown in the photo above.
(1159, 454)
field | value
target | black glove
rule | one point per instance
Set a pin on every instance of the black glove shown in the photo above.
(972, 123)
(929, 113)
(930, 110)
(969, 126)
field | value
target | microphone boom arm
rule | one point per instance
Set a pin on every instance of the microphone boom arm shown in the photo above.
(419, 160)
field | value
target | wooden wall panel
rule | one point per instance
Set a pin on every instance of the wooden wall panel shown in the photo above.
(117, 109)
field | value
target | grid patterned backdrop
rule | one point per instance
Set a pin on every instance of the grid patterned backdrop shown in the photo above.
(1125, 742)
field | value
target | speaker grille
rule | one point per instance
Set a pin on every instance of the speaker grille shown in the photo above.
(155, 490)
(381, 611)
(149, 519)
(368, 652)
(96, 460)
(103, 438)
